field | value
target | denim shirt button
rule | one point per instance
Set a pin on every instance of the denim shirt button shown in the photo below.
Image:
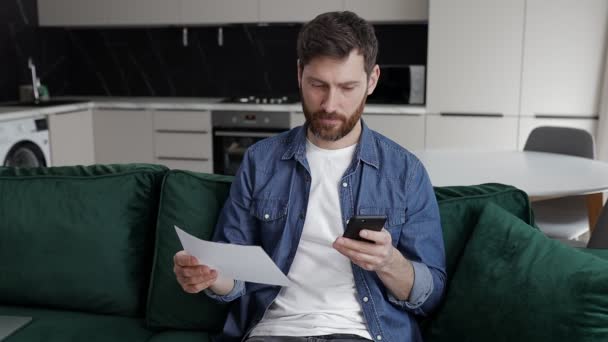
(365, 299)
(379, 337)
(266, 216)
(344, 184)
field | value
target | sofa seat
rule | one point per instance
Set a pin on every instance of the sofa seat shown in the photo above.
(58, 325)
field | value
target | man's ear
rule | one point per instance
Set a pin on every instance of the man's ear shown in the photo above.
(299, 66)
(374, 76)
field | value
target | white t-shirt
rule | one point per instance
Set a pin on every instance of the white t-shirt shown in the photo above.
(322, 298)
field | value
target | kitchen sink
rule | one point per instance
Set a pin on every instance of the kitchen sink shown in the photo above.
(42, 103)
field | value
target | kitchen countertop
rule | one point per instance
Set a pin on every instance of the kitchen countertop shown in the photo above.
(179, 103)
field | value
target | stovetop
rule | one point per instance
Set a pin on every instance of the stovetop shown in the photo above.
(262, 99)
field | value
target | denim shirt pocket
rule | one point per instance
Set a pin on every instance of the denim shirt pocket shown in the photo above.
(269, 211)
(395, 219)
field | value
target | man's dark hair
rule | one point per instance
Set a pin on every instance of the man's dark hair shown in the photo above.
(336, 34)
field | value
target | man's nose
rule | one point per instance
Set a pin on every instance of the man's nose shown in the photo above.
(330, 103)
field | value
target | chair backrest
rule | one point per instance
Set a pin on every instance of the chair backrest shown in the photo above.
(599, 237)
(563, 140)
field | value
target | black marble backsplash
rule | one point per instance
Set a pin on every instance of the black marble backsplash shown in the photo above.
(252, 59)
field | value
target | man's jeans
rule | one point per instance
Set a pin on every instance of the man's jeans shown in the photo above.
(323, 338)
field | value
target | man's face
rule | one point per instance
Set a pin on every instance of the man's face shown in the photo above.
(333, 94)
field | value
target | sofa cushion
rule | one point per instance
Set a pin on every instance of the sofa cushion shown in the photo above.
(460, 206)
(515, 284)
(192, 201)
(59, 326)
(78, 238)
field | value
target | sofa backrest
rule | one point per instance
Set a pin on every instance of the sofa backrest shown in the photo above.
(192, 201)
(78, 238)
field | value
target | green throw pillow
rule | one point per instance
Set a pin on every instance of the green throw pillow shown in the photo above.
(192, 201)
(515, 284)
(78, 238)
(459, 207)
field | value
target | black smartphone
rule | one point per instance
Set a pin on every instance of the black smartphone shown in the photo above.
(357, 223)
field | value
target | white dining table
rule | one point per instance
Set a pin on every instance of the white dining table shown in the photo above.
(541, 175)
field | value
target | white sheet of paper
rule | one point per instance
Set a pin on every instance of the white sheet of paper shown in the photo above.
(247, 263)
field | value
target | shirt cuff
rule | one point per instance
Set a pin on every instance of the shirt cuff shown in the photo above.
(421, 290)
(237, 291)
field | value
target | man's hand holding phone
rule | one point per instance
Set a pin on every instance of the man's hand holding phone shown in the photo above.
(366, 243)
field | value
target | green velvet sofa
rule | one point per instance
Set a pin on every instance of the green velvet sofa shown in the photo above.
(87, 252)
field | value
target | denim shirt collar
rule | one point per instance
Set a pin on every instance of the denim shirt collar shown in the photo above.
(366, 150)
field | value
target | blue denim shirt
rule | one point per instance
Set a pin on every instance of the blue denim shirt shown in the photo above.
(267, 207)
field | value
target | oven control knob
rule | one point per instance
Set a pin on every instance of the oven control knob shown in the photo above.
(234, 119)
(266, 120)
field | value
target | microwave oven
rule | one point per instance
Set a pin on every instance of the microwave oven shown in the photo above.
(400, 84)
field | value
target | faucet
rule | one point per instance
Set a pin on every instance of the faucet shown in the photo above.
(32, 67)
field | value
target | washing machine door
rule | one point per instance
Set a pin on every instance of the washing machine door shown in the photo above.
(25, 154)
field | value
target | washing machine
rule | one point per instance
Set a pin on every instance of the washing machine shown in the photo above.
(25, 142)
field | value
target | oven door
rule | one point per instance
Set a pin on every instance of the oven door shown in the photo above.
(229, 146)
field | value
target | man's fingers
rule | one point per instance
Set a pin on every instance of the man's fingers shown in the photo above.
(196, 288)
(382, 237)
(197, 280)
(182, 258)
(359, 246)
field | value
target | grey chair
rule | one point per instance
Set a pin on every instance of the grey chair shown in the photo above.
(562, 218)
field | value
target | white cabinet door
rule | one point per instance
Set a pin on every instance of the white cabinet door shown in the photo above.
(183, 140)
(72, 12)
(219, 11)
(143, 12)
(406, 130)
(71, 138)
(123, 136)
(565, 42)
(390, 10)
(471, 132)
(296, 10)
(297, 119)
(527, 124)
(474, 56)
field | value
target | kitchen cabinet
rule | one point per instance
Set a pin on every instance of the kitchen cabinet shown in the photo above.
(183, 140)
(406, 130)
(471, 132)
(527, 124)
(219, 11)
(295, 10)
(71, 138)
(72, 12)
(123, 136)
(474, 56)
(142, 12)
(564, 46)
(192, 12)
(296, 119)
(389, 10)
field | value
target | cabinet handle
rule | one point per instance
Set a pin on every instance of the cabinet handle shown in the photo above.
(118, 108)
(180, 131)
(567, 116)
(183, 158)
(486, 115)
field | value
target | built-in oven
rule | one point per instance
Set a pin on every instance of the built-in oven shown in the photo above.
(235, 131)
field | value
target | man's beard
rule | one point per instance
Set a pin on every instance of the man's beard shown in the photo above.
(331, 132)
